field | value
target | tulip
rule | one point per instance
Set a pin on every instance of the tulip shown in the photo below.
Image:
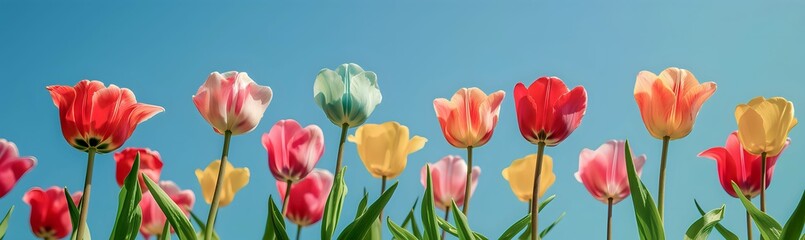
(50, 216)
(348, 96)
(293, 151)
(669, 104)
(232, 102)
(309, 194)
(469, 117)
(763, 126)
(235, 179)
(384, 148)
(95, 118)
(547, 112)
(603, 173)
(449, 180)
(12, 166)
(150, 165)
(736, 164)
(520, 175)
(153, 221)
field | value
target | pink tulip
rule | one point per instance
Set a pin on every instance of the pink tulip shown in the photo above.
(603, 171)
(449, 179)
(740, 166)
(12, 166)
(153, 219)
(150, 165)
(308, 196)
(232, 102)
(469, 118)
(50, 215)
(293, 151)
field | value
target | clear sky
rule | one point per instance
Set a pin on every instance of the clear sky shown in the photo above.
(420, 51)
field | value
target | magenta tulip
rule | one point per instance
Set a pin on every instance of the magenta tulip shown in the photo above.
(12, 166)
(293, 151)
(308, 197)
(740, 166)
(153, 221)
(603, 171)
(449, 180)
(50, 216)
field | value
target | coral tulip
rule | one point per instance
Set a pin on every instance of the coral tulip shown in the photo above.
(735, 164)
(293, 151)
(670, 102)
(232, 102)
(384, 148)
(547, 111)
(520, 175)
(468, 119)
(150, 165)
(12, 166)
(234, 180)
(97, 117)
(153, 221)
(449, 180)
(603, 171)
(308, 197)
(763, 124)
(50, 216)
(347, 95)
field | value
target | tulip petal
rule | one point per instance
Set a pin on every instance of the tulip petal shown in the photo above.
(750, 133)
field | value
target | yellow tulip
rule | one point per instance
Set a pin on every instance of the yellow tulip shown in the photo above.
(384, 148)
(520, 175)
(234, 180)
(763, 124)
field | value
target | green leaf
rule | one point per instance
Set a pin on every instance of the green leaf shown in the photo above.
(128, 204)
(197, 220)
(727, 234)
(702, 227)
(175, 215)
(332, 209)
(399, 232)
(444, 225)
(361, 226)
(464, 231)
(362, 204)
(795, 223)
(4, 223)
(527, 233)
(769, 228)
(428, 214)
(166, 232)
(551, 226)
(545, 202)
(375, 231)
(649, 223)
(277, 221)
(412, 219)
(74, 215)
(515, 228)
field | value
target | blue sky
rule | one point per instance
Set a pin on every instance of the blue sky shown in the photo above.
(420, 51)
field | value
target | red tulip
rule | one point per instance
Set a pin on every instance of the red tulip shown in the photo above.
(150, 165)
(50, 216)
(232, 101)
(449, 180)
(153, 219)
(740, 166)
(468, 119)
(603, 171)
(293, 151)
(99, 117)
(547, 111)
(12, 166)
(308, 196)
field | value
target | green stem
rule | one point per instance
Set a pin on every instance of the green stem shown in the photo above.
(446, 216)
(663, 161)
(468, 183)
(382, 190)
(344, 129)
(748, 226)
(218, 185)
(609, 219)
(298, 231)
(535, 192)
(82, 219)
(287, 196)
(763, 182)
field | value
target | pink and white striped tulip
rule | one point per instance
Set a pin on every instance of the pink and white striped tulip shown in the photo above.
(449, 178)
(603, 171)
(232, 102)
